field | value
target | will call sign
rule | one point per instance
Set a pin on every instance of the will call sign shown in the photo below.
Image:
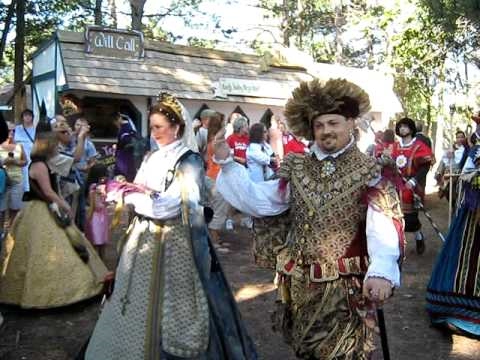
(114, 43)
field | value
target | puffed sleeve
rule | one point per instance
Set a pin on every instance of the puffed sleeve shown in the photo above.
(385, 236)
(260, 199)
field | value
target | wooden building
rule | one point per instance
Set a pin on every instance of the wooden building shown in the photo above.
(102, 71)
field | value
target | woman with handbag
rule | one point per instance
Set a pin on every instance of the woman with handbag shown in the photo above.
(45, 261)
(13, 160)
(171, 299)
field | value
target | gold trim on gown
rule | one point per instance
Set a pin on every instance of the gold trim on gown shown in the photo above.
(39, 267)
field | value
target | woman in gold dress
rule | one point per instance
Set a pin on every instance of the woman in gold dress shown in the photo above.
(45, 264)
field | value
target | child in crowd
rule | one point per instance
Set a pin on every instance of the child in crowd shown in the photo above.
(97, 225)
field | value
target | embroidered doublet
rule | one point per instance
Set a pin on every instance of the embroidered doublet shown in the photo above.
(327, 204)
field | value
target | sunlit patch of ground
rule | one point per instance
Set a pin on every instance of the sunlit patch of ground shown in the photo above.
(464, 347)
(251, 291)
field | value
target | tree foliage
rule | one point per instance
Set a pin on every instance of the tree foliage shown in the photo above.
(419, 55)
(42, 18)
(349, 32)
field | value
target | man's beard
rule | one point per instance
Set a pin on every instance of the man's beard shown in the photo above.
(405, 135)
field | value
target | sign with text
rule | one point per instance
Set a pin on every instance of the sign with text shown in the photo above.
(114, 43)
(255, 88)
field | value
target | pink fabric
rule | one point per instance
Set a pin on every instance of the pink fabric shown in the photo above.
(97, 228)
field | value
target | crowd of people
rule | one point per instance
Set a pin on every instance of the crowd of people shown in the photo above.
(329, 220)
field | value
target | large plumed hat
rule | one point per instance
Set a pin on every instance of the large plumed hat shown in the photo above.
(314, 98)
(406, 121)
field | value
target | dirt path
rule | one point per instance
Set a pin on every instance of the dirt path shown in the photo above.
(58, 334)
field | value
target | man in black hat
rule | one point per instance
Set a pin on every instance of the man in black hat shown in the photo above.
(413, 159)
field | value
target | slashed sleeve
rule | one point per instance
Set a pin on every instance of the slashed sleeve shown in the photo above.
(385, 236)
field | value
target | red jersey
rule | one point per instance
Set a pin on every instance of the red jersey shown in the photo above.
(239, 144)
(410, 159)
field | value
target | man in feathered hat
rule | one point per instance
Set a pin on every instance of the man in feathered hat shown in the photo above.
(341, 253)
(413, 159)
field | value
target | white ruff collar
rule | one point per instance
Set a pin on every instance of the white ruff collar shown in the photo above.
(407, 144)
(320, 154)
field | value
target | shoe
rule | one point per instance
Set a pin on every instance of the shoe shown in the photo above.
(222, 250)
(420, 245)
(229, 225)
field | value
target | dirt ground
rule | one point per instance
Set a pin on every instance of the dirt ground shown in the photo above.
(58, 334)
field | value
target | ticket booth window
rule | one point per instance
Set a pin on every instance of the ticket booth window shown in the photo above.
(100, 114)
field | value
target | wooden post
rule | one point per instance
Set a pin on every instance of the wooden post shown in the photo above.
(452, 158)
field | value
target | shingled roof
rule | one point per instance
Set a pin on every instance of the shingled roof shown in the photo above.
(188, 72)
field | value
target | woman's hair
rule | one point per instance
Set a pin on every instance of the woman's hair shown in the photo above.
(214, 126)
(25, 112)
(45, 145)
(173, 116)
(96, 172)
(239, 123)
(460, 132)
(256, 133)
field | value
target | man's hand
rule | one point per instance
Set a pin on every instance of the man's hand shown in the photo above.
(84, 130)
(377, 289)
(387, 151)
(222, 150)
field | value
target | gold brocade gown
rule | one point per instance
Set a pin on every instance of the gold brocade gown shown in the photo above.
(39, 267)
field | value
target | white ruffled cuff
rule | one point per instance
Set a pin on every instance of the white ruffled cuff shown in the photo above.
(386, 268)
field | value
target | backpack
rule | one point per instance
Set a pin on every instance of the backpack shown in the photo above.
(3, 180)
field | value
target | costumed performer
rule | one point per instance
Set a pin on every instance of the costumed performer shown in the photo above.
(413, 159)
(453, 293)
(171, 299)
(46, 261)
(344, 235)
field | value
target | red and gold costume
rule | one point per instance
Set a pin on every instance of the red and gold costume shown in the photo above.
(340, 223)
(413, 161)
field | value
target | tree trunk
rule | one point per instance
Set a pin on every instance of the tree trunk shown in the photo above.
(113, 12)
(286, 24)
(137, 7)
(371, 54)
(19, 58)
(338, 33)
(6, 28)
(98, 12)
(301, 24)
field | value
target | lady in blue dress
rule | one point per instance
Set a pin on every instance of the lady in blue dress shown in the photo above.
(453, 293)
